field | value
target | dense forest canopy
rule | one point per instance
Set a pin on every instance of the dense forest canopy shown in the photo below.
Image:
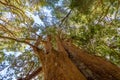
(26, 25)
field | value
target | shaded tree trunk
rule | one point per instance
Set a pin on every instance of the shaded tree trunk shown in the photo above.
(93, 67)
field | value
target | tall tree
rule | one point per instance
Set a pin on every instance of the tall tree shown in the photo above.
(60, 39)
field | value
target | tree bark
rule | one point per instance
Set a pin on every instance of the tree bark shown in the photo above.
(55, 63)
(95, 68)
(59, 67)
(69, 62)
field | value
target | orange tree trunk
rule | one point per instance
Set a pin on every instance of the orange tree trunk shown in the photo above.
(56, 64)
(59, 67)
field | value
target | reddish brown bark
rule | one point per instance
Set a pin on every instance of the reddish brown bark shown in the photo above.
(99, 68)
(55, 64)
(59, 67)
(69, 62)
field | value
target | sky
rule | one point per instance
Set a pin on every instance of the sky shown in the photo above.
(37, 20)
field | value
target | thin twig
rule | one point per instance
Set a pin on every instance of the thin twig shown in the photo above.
(65, 18)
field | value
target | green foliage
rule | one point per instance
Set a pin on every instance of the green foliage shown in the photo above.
(1, 56)
(83, 6)
(93, 25)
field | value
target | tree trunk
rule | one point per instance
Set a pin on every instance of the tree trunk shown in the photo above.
(69, 62)
(59, 67)
(93, 67)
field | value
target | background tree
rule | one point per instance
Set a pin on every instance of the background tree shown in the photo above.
(41, 39)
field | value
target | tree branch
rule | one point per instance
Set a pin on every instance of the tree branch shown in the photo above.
(32, 75)
(38, 41)
(65, 17)
(6, 29)
(17, 40)
(5, 4)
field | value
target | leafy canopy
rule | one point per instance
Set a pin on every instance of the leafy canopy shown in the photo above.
(91, 24)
